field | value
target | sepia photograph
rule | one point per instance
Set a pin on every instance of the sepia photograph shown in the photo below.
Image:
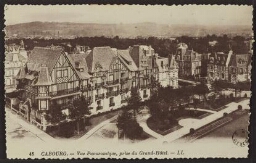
(127, 81)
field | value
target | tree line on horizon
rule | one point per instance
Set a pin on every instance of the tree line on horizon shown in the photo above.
(162, 46)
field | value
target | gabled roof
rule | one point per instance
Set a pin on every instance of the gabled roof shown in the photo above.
(22, 73)
(43, 78)
(47, 56)
(9, 57)
(159, 62)
(173, 63)
(126, 59)
(102, 56)
(239, 59)
(80, 60)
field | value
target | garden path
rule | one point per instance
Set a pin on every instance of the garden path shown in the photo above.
(142, 122)
(205, 110)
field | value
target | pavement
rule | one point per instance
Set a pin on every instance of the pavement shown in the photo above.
(96, 128)
(28, 127)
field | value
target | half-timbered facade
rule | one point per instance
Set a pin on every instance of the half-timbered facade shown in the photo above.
(144, 58)
(49, 79)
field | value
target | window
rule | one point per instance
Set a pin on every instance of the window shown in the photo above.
(241, 70)
(222, 75)
(111, 77)
(162, 64)
(65, 73)
(43, 104)
(8, 82)
(59, 75)
(133, 84)
(42, 89)
(145, 92)
(111, 100)
(99, 103)
(122, 74)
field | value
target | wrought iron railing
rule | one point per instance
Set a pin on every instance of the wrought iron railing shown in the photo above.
(112, 93)
(112, 82)
(64, 92)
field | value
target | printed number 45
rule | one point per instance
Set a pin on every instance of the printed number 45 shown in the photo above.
(31, 153)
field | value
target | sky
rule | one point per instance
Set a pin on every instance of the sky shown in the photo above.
(126, 14)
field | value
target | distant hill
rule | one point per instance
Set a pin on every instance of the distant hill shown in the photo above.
(54, 29)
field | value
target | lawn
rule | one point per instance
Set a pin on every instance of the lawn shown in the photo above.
(219, 104)
(162, 127)
(182, 114)
(165, 127)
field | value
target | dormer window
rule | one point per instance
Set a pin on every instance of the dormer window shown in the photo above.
(77, 64)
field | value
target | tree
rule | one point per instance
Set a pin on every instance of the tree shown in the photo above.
(201, 90)
(54, 115)
(128, 125)
(159, 110)
(154, 88)
(134, 100)
(79, 110)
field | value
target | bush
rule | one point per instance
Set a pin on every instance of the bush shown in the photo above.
(231, 95)
(192, 130)
(245, 95)
(225, 114)
(239, 107)
(67, 130)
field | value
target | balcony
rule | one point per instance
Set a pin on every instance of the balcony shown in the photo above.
(99, 108)
(112, 93)
(124, 80)
(98, 85)
(124, 90)
(85, 88)
(64, 92)
(112, 82)
(111, 104)
(146, 76)
(99, 96)
(143, 86)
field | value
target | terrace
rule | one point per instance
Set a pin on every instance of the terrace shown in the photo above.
(64, 92)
